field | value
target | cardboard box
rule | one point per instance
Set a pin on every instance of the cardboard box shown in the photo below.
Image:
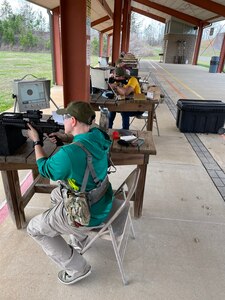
(153, 92)
(139, 97)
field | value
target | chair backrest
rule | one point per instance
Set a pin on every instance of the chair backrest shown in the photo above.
(130, 184)
(127, 190)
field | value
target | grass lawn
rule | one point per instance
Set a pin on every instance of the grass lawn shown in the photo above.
(15, 65)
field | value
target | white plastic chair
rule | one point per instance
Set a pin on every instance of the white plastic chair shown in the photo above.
(119, 224)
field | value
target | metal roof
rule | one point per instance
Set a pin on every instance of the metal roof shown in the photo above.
(193, 12)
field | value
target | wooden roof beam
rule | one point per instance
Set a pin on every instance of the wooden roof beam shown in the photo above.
(209, 5)
(106, 29)
(107, 9)
(149, 15)
(212, 18)
(99, 21)
(173, 12)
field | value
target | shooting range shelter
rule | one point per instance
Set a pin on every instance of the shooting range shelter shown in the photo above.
(71, 22)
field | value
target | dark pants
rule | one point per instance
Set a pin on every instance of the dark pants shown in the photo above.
(125, 118)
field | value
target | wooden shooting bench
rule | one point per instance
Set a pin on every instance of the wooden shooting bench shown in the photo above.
(126, 105)
(24, 159)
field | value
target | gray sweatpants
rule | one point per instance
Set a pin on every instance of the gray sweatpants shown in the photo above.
(46, 229)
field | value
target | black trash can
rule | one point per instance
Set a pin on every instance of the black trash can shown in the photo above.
(200, 116)
(214, 62)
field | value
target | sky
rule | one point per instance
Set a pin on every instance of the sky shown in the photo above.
(145, 20)
(16, 4)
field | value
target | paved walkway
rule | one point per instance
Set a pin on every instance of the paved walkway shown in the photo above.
(213, 168)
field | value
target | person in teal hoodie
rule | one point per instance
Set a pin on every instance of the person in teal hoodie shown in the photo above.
(69, 164)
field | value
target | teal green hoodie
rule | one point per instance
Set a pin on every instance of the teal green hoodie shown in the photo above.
(70, 163)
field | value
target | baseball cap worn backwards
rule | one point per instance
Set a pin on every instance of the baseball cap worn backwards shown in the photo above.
(82, 111)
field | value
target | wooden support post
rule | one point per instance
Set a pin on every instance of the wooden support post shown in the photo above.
(75, 24)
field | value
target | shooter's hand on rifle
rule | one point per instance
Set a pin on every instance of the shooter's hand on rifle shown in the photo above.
(64, 137)
(32, 133)
(34, 136)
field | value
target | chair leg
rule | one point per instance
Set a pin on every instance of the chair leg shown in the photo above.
(122, 244)
(118, 258)
(131, 227)
(145, 125)
(132, 121)
(157, 125)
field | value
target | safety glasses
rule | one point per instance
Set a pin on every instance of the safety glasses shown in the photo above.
(66, 116)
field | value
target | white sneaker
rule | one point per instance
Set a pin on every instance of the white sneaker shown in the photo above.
(65, 278)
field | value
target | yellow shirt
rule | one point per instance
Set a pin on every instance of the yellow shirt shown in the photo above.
(133, 82)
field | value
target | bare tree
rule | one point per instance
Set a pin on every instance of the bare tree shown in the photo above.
(5, 10)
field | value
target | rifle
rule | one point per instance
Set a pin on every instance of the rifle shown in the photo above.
(20, 120)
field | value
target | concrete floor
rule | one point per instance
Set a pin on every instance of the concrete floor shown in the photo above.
(179, 252)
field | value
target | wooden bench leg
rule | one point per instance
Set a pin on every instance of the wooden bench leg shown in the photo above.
(12, 190)
(139, 195)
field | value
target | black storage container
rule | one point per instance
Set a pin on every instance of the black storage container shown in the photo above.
(200, 116)
(11, 139)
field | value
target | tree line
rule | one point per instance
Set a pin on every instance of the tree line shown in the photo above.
(28, 30)
(24, 29)
(142, 38)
